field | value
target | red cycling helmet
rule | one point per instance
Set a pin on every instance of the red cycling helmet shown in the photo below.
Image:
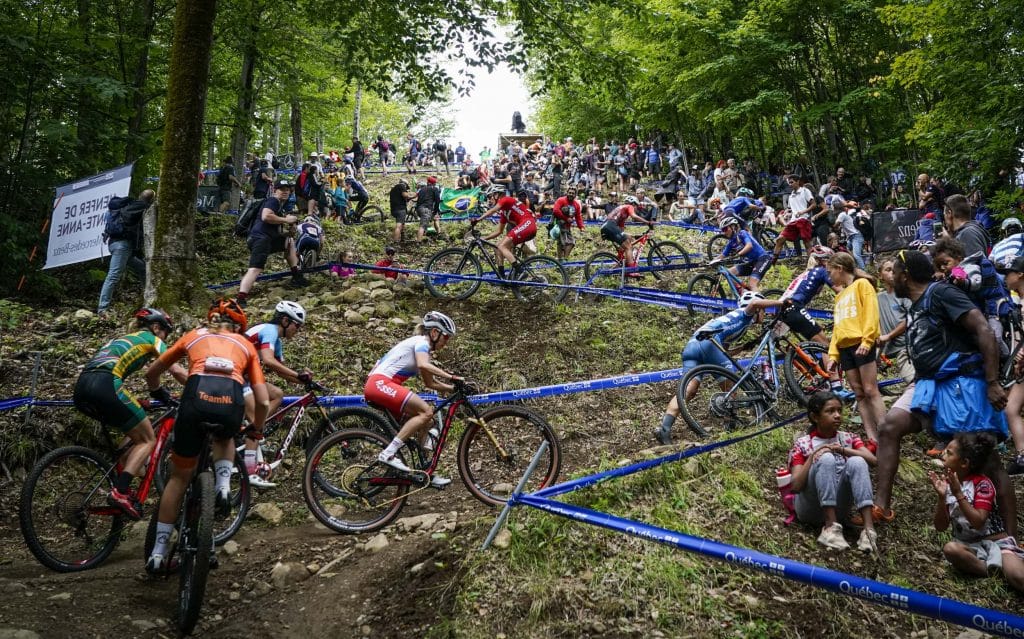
(228, 308)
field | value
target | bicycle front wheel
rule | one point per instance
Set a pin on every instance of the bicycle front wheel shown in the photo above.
(63, 512)
(716, 245)
(710, 396)
(195, 548)
(801, 369)
(372, 214)
(669, 261)
(603, 270)
(705, 286)
(347, 489)
(453, 261)
(494, 454)
(541, 272)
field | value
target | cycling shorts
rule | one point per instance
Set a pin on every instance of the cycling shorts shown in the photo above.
(207, 399)
(100, 395)
(613, 233)
(755, 269)
(697, 352)
(386, 393)
(524, 232)
(798, 229)
(308, 242)
(799, 321)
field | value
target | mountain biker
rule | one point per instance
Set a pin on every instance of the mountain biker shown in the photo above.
(359, 196)
(100, 394)
(614, 229)
(524, 225)
(722, 330)
(221, 360)
(755, 260)
(407, 358)
(287, 321)
(743, 207)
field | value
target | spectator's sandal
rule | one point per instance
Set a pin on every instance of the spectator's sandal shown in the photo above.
(877, 516)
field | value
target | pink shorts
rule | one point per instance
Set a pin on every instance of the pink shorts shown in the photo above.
(524, 232)
(386, 393)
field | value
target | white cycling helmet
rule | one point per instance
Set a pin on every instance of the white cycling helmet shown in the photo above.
(292, 310)
(747, 298)
(630, 199)
(440, 321)
(496, 190)
(821, 252)
(730, 221)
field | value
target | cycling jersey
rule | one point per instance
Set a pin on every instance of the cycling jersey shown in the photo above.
(267, 336)
(728, 327)
(806, 285)
(621, 214)
(738, 206)
(356, 187)
(739, 239)
(513, 211)
(399, 363)
(217, 354)
(125, 355)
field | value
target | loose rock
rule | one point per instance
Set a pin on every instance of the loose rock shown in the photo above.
(354, 318)
(503, 539)
(230, 547)
(268, 512)
(376, 544)
(284, 575)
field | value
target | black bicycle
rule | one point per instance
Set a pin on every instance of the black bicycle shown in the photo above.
(538, 279)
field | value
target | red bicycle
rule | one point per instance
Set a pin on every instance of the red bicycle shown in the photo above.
(63, 511)
(667, 260)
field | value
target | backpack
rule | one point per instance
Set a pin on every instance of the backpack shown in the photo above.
(930, 344)
(247, 217)
(113, 228)
(305, 185)
(384, 146)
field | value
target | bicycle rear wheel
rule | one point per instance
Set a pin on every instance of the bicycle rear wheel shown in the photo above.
(454, 261)
(603, 270)
(541, 269)
(347, 489)
(372, 214)
(800, 369)
(308, 258)
(492, 473)
(672, 260)
(194, 549)
(710, 396)
(63, 513)
(705, 286)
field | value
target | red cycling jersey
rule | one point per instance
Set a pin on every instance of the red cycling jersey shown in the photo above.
(562, 217)
(513, 211)
(620, 214)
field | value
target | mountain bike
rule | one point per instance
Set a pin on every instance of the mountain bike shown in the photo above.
(667, 260)
(63, 512)
(371, 214)
(538, 279)
(745, 395)
(722, 285)
(349, 491)
(194, 543)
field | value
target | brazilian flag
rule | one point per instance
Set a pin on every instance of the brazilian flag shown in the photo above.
(459, 202)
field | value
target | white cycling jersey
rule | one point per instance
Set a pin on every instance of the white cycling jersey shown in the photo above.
(399, 363)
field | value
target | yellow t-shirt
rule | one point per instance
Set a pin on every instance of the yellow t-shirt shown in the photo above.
(855, 317)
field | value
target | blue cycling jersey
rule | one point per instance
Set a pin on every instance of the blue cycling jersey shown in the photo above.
(807, 285)
(356, 187)
(740, 239)
(738, 206)
(729, 326)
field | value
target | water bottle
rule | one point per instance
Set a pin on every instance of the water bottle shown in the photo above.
(784, 479)
(766, 372)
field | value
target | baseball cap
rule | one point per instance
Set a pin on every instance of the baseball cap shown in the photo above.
(431, 180)
(390, 250)
(284, 184)
(1011, 264)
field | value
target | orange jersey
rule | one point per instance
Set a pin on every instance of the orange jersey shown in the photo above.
(224, 354)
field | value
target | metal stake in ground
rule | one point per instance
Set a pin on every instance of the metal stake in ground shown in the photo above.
(515, 494)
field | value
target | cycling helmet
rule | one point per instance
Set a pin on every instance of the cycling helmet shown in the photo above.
(747, 298)
(148, 315)
(631, 199)
(925, 246)
(496, 189)
(744, 192)
(440, 321)
(730, 221)
(1009, 223)
(292, 310)
(228, 309)
(821, 252)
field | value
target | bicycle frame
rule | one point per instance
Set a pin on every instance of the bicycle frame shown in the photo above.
(479, 243)
(765, 349)
(300, 406)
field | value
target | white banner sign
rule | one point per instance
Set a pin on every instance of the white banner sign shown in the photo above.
(79, 215)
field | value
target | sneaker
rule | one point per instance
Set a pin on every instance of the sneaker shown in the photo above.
(160, 565)
(258, 482)
(844, 395)
(868, 541)
(635, 276)
(832, 537)
(241, 302)
(936, 449)
(1016, 467)
(126, 502)
(663, 436)
(222, 504)
(394, 462)
(439, 482)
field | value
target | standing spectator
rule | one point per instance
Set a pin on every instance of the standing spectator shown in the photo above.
(1013, 270)
(358, 156)
(965, 230)
(226, 181)
(398, 201)
(956, 362)
(314, 187)
(847, 225)
(460, 153)
(383, 152)
(567, 209)
(892, 319)
(845, 182)
(929, 197)
(124, 241)
(653, 162)
(675, 158)
(799, 227)
(412, 153)
(262, 180)
(266, 238)
(428, 207)
(441, 154)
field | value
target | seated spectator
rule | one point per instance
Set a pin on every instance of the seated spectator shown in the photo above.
(981, 545)
(390, 260)
(830, 474)
(340, 268)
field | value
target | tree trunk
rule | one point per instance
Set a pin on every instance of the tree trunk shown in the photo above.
(246, 102)
(277, 129)
(297, 131)
(173, 275)
(211, 147)
(358, 108)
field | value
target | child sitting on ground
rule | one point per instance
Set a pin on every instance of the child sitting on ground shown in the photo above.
(391, 260)
(830, 473)
(981, 545)
(339, 269)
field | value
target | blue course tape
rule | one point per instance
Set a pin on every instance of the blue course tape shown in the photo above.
(963, 614)
(14, 402)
